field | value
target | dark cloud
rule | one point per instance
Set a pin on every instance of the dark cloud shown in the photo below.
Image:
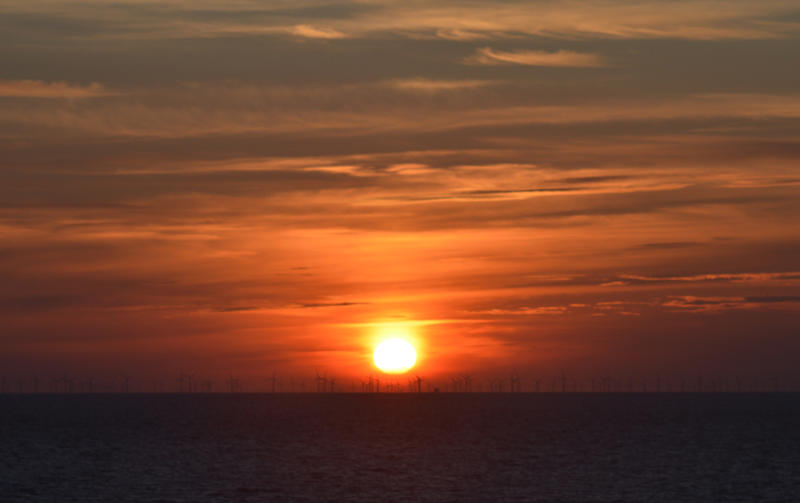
(312, 305)
(773, 299)
(513, 192)
(585, 180)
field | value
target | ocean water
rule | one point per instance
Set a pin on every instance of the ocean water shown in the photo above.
(400, 447)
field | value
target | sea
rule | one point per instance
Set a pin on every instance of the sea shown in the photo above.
(338, 447)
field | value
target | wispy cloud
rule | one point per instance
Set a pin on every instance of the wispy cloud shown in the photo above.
(308, 31)
(456, 34)
(758, 277)
(312, 305)
(525, 311)
(714, 304)
(618, 19)
(41, 89)
(424, 85)
(233, 107)
(489, 56)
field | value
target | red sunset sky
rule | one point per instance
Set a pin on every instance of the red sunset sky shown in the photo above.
(600, 188)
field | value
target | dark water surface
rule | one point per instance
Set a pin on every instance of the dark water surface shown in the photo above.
(429, 447)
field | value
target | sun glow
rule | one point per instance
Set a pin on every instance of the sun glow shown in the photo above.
(395, 356)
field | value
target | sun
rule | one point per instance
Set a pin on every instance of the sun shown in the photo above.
(395, 356)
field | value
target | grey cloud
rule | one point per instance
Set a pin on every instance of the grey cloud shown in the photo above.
(586, 180)
(312, 305)
(516, 191)
(773, 299)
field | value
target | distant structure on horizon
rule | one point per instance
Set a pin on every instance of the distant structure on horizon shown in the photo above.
(462, 383)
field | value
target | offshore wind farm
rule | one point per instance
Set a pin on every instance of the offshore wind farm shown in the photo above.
(461, 383)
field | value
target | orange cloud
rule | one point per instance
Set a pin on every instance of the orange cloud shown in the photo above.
(424, 85)
(308, 31)
(620, 19)
(456, 34)
(489, 56)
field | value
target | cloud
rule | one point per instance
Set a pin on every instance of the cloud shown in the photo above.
(459, 22)
(410, 169)
(424, 85)
(713, 304)
(487, 307)
(308, 31)
(313, 305)
(235, 107)
(617, 19)
(697, 19)
(456, 34)
(489, 56)
(41, 89)
(758, 277)
(526, 311)
(670, 245)
(773, 299)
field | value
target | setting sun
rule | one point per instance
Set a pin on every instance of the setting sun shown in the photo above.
(395, 356)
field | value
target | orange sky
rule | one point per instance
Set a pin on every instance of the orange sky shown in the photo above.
(599, 188)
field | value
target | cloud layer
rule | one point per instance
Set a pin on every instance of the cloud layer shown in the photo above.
(602, 187)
